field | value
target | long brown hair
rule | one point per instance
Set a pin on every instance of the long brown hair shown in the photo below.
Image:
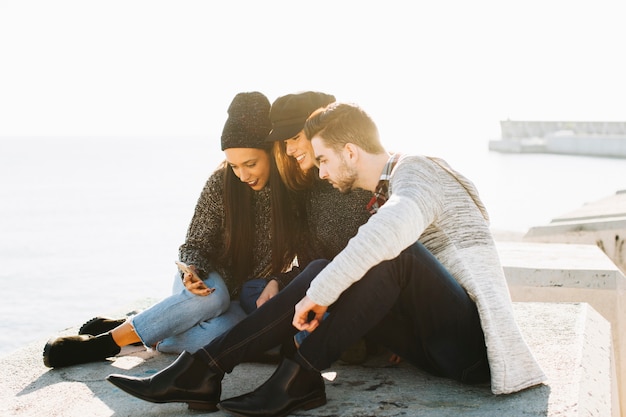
(290, 172)
(239, 223)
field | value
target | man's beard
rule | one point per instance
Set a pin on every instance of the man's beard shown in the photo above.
(347, 178)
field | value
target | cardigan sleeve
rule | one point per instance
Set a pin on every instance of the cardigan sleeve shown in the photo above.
(414, 203)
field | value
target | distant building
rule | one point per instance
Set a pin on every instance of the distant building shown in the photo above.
(607, 139)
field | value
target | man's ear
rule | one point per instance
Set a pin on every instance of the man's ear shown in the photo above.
(351, 152)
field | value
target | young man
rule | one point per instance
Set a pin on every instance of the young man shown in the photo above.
(422, 277)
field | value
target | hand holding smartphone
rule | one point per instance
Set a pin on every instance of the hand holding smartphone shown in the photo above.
(192, 281)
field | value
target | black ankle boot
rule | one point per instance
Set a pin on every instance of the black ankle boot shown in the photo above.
(187, 380)
(74, 350)
(99, 325)
(290, 388)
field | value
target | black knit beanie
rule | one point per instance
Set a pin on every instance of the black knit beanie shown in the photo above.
(248, 122)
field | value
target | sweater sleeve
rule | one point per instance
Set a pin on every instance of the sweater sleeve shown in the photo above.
(414, 203)
(204, 242)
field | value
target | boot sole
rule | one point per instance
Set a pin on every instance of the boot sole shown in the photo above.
(84, 329)
(210, 407)
(192, 405)
(314, 403)
(310, 404)
(46, 355)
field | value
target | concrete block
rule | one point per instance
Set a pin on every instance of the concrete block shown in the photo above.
(552, 272)
(601, 223)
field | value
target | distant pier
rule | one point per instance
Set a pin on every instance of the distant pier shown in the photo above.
(605, 139)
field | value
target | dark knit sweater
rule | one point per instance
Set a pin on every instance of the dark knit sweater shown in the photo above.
(333, 218)
(205, 236)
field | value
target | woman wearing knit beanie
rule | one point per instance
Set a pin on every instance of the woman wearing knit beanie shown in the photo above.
(229, 265)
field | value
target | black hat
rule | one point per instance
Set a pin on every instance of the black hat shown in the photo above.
(248, 122)
(289, 113)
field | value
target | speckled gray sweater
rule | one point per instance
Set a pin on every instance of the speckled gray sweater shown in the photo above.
(333, 218)
(205, 236)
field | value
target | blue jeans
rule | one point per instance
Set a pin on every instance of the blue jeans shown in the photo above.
(410, 304)
(250, 292)
(184, 321)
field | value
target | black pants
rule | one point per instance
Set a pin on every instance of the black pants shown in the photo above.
(410, 304)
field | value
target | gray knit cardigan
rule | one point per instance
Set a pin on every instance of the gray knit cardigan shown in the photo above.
(436, 205)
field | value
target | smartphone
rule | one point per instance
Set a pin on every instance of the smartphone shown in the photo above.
(187, 270)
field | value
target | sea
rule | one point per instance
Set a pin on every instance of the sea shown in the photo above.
(91, 225)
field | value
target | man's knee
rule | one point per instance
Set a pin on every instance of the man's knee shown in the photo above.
(304, 278)
(316, 266)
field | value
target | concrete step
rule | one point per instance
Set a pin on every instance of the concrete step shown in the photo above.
(601, 223)
(571, 341)
(558, 272)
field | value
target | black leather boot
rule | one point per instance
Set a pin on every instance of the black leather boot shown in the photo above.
(187, 380)
(74, 350)
(290, 388)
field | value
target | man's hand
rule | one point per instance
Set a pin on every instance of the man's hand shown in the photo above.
(270, 290)
(301, 315)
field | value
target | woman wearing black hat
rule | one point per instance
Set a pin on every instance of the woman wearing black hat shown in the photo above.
(227, 253)
(332, 217)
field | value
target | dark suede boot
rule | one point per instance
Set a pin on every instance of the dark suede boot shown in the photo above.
(99, 325)
(290, 388)
(74, 350)
(189, 379)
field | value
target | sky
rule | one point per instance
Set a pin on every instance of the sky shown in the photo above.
(141, 68)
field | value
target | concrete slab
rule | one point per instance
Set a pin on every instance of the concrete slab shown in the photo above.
(601, 223)
(608, 207)
(571, 341)
(559, 265)
(553, 272)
